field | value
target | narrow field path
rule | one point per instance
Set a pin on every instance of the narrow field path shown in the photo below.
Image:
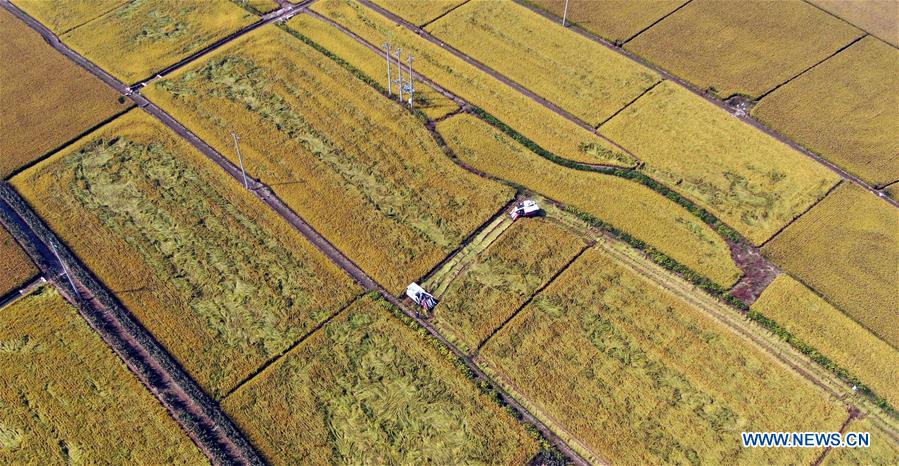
(200, 417)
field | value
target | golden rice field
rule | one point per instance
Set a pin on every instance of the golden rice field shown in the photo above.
(368, 384)
(501, 279)
(613, 20)
(221, 281)
(745, 50)
(627, 205)
(33, 121)
(817, 323)
(432, 103)
(893, 191)
(361, 169)
(847, 248)
(877, 17)
(846, 109)
(633, 375)
(61, 16)
(538, 123)
(159, 33)
(418, 12)
(66, 398)
(751, 181)
(17, 268)
(883, 451)
(545, 57)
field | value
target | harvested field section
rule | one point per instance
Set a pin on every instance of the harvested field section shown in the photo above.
(358, 167)
(625, 204)
(877, 17)
(61, 16)
(47, 100)
(427, 99)
(66, 398)
(221, 281)
(845, 109)
(753, 182)
(418, 12)
(262, 6)
(656, 381)
(16, 267)
(159, 33)
(884, 450)
(817, 323)
(613, 20)
(367, 382)
(489, 291)
(545, 57)
(847, 248)
(536, 122)
(747, 50)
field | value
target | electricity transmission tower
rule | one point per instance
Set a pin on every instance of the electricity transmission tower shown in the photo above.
(405, 86)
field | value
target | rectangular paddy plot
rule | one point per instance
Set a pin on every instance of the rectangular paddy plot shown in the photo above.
(634, 375)
(545, 57)
(217, 277)
(143, 36)
(66, 398)
(15, 266)
(47, 99)
(427, 99)
(613, 20)
(748, 179)
(367, 382)
(822, 326)
(846, 109)
(877, 17)
(626, 205)
(543, 126)
(419, 12)
(481, 292)
(847, 248)
(360, 168)
(747, 50)
(61, 16)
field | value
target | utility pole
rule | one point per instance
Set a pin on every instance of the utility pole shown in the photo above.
(65, 270)
(411, 83)
(240, 159)
(389, 82)
(565, 13)
(399, 65)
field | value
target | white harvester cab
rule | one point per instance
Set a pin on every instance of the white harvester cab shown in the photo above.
(527, 208)
(421, 297)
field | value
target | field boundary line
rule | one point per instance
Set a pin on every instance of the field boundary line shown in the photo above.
(441, 15)
(852, 415)
(837, 52)
(634, 100)
(746, 117)
(641, 31)
(92, 19)
(801, 214)
(852, 24)
(271, 361)
(22, 291)
(537, 292)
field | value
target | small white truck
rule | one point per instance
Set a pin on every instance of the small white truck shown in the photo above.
(527, 208)
(421, 297)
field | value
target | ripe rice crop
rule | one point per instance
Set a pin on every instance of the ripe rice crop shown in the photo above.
(613, 20)
(847, 248)
(877, 17)
(845, 109)
(753, 182)
(418, 12)
(17, 267)
(633, 374)
(358, 167)
(220, 280)
(432, 103)
(627, 205)
(61, 16)
(368, 384)
(160, 33)
(543, 126)
(36, 79)
(502, 278)
(67, 399)
(884, 449)
(545, 57)
(817, 323)
(743, 49)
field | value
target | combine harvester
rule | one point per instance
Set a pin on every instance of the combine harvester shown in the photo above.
(421, 297)
(527, 208)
